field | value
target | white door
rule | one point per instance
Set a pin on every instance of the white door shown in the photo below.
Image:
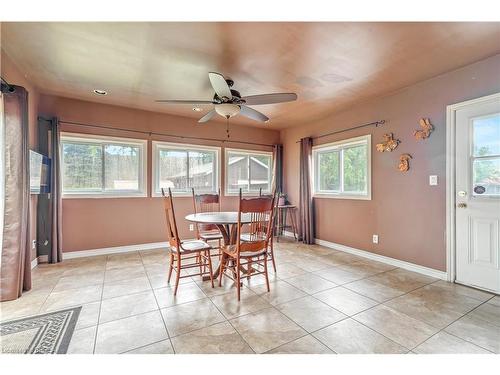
(477, 220)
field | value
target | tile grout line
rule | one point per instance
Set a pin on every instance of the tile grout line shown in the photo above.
(157, 304)
(100, 305)
(461, 338)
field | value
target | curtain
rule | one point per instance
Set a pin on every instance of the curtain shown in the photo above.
(306, 213)
(278, 168)
(15, 264)
(55, 254)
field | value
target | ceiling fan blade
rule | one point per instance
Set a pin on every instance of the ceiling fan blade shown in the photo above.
(220, 85)
(208, 116)
(270, 98)
(185, 101)
(253, 114)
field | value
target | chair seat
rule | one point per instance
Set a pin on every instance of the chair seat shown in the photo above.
(211, 235)
(192, 246)
(247, 237)
(231, 250)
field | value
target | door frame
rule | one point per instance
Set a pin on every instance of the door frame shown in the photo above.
(450, 180)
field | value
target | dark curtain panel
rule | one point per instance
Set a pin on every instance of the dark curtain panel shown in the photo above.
(306, 213)
(15, 270)
(278, 167)
(55, 254)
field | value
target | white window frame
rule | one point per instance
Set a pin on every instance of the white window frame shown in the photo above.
(248, 153)
(98, 139)
(340, 145)
(157, 145)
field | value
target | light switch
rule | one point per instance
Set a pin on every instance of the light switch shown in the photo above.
(375, 238)
(433, 180)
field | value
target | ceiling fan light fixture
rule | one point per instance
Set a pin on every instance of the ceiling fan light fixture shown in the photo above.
(227, 110)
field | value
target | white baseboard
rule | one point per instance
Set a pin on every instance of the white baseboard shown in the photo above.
(113, 250)
(380, 258)
(383, 259)
(34, 263)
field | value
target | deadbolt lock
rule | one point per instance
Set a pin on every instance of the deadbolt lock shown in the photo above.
(462, 205)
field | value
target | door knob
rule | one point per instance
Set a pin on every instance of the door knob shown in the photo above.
(462, 205)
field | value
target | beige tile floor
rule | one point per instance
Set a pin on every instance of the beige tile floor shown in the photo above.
(321, 301)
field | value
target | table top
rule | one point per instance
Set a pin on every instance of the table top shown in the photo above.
(218, 218)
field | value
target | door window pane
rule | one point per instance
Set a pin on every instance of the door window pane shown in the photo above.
(329, 171)
(486, 176)
(173, 169)
(201, 170)
(82, 166)
(355, 162)
(121, 163)
(486, 137)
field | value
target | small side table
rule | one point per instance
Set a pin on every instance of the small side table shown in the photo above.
(286, 210)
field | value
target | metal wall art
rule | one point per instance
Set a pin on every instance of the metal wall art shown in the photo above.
(425, 132)
(404, 162)
(389, 144)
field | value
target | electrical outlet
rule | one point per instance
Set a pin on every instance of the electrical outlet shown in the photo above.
(33, 244)
(191, 227)
(375, 238)
(433, 180)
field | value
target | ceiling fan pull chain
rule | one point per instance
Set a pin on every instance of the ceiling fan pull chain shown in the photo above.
(227, 127)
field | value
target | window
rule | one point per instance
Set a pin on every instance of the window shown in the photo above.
(486, 156)
(181, 167)
(342, 169)
(102, 166)
(249, 171)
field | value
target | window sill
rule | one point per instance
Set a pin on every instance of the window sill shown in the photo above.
(343, 196)
(100, 196)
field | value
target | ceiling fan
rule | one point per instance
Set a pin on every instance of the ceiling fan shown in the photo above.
(228, 102)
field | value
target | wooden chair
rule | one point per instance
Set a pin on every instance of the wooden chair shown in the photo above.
(207, 203)
(254, 249)
(245, 237)
(181, 251)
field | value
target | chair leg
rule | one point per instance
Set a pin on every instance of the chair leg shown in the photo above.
(178, 276)
(209, 257)
(221, 269)
(249, 270)
(265, 272)
(238, 283)
(272, 255)
(170, 267)
(199, 260)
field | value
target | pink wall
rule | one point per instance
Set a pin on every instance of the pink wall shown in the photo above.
(11, 74)
(107, 222)
(406, 213)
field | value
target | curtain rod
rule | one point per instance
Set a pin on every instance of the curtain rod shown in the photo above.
(160, 134)
(7, 84)
(374, 123)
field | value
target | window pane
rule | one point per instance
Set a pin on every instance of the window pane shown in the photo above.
(329, 171)
(82, 166)
(173, 169)
(487, 135)
(355, 167)
(201, 170)
(122, 164)
(260, 166)
(486, 174)
(237, 172)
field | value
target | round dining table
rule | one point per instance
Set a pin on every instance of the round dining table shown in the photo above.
(227, 222)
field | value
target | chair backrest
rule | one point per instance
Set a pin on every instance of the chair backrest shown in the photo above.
(206, 203)
(260, 228)
(173, 234)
